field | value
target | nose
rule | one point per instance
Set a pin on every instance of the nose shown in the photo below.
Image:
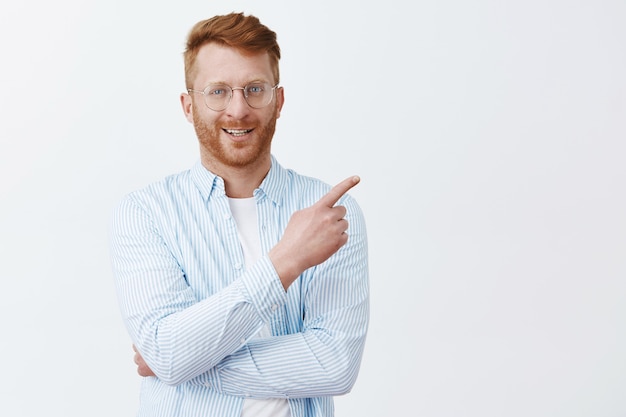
(238, 106)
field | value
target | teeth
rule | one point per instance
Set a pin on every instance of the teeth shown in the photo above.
(238, 132)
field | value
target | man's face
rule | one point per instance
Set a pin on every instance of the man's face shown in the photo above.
(239, 136)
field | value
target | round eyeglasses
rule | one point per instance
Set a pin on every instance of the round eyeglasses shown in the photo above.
(217, 96)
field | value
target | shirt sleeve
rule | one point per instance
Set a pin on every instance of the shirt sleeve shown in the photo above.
(179, 336)
(323, 359)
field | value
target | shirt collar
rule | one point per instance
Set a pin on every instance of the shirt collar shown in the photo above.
(206, 181)
(272, 185)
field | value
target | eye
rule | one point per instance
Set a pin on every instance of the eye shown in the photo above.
(255, 89)
(218, 91)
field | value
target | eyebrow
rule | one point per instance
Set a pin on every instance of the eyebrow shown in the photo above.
(256, 80)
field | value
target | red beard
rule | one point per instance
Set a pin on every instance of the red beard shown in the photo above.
(233, 154)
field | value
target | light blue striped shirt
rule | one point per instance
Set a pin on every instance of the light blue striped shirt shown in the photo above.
(192, 308)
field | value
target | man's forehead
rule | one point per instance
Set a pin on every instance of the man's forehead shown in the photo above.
(219, 63)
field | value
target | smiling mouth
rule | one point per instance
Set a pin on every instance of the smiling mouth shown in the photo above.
(237, 132)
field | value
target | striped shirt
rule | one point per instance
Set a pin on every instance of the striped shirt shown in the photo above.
(192, 307)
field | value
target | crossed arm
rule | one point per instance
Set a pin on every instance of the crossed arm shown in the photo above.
(324, 357)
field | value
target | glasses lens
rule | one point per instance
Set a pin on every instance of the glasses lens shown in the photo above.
(217, 96)
(258, 94)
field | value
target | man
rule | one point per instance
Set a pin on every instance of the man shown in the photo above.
(244, 287)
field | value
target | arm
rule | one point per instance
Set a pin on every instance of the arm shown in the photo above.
(313, 235)
(179, 336)
(324, 358)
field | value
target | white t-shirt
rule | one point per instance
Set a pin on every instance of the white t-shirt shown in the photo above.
(244, 213)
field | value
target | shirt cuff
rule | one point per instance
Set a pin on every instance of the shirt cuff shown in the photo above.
(264, 289)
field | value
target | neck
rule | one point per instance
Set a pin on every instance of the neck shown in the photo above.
(240, 182)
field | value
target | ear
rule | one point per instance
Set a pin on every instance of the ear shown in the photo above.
(187, 102)
(280, 100)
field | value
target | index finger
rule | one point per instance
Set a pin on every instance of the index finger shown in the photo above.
(338, 191)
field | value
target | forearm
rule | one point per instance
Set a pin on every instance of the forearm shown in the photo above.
(181, 342)
(307, 364)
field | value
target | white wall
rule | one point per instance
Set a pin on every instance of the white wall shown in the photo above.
(490, 139)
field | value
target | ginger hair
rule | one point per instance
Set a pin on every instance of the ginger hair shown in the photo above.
(235, 30)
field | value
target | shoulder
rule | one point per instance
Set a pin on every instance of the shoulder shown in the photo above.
(288, 188)
(163, 189)
(158, 196)
(303, 190)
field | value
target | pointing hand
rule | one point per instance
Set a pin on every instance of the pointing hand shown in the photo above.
(312, 235)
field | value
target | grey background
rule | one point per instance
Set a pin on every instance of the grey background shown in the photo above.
(490, 140)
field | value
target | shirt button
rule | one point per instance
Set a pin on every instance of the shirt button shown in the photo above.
(274, 307)
(226, 216)
(237, 265)
(243, 341)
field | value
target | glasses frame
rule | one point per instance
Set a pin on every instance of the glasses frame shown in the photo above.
(232, 92)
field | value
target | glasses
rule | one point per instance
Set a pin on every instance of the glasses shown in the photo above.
(217, 96)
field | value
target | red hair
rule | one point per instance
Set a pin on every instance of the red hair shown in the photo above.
(245, 33)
